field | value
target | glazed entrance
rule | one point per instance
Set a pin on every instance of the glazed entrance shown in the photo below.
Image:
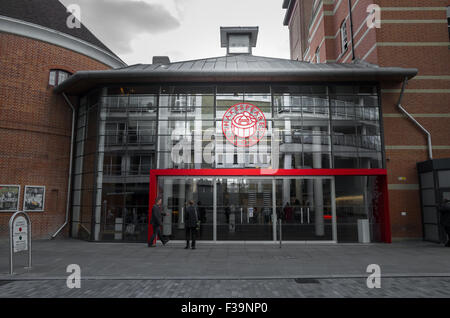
(249, 208)
(321, 205)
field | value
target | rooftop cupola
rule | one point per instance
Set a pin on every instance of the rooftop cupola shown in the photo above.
(238, 40)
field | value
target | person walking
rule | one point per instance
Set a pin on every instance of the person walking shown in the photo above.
(444, 210)
(190, 223)
(156, 222)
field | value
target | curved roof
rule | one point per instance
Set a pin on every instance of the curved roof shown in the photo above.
(51, 14)
(235, 68)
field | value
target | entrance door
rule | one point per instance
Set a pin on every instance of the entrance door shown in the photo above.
(240, 208)
(176, 192)
(306, 208)
(244, 209)
(311, 194)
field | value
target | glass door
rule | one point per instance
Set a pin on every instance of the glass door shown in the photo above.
(244, 209)
(176, 193)
(305, 208)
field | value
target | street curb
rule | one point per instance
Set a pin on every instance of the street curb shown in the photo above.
(349, 276)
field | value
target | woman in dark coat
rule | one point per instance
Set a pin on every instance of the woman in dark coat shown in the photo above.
(444, 209)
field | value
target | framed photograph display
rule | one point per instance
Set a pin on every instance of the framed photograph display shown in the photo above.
(9, 198)
(34, 198)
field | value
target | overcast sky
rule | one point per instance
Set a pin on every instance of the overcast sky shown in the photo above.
(136, 30)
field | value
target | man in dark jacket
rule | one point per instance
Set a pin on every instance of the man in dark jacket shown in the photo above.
(190, 224)
(444, 209)
(156, 222)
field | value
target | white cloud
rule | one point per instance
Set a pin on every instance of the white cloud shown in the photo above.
(184, 29)
(117, 22)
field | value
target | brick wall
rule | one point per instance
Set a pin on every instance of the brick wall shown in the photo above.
(413, 34)
(35, 125)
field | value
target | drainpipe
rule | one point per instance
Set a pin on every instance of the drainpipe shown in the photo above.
(430, 146)
(351, 28)
(69, 184)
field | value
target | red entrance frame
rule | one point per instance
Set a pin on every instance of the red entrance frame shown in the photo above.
(383, 202)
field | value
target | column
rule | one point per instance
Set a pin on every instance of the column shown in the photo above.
(287, 182)
(164, 139)
(168, 193)
(181, 202)
(287, 165)
(215, 209)
(318, 184)
(333, 209)
(78, 171)
(298, 182)
(274, 210)
(198, 138)
(100, 158)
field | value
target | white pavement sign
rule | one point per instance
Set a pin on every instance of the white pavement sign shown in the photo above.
(20, 234)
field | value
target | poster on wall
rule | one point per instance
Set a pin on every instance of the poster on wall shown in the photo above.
(34, 198)
(9, 198)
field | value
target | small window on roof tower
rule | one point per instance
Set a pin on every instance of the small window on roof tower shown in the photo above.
(238, 40)
(239, 43)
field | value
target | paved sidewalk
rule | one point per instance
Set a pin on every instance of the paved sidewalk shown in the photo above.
(226, 261)
(413, 269)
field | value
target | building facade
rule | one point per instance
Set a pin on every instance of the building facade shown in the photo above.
(389, 33)
(317, 148)
(252, 140)
(37, 52)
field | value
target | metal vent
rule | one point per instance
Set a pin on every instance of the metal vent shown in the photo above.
(161, 60)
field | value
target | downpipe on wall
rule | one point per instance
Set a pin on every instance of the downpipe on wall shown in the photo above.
(403, 110)
(69, 184)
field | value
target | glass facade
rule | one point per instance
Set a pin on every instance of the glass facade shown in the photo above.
(124, 132)
(434, 181)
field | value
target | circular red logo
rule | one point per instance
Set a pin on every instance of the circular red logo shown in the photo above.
(244, 125)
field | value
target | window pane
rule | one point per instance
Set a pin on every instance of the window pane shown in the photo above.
(427, 180)
(444, 179)
(239, 43)
(52, 79)
(62, 76)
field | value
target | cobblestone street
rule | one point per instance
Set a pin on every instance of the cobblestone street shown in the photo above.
(284, 288)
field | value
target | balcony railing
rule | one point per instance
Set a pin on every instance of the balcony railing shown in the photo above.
(366, 142)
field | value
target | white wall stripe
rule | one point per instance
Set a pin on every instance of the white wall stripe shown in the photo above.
(403, 186)
(413, 21)
(432, 77)
(415, 147)
(369, 52)
(413, 8)
(389, 115)
(413, 43)
(421, 91)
